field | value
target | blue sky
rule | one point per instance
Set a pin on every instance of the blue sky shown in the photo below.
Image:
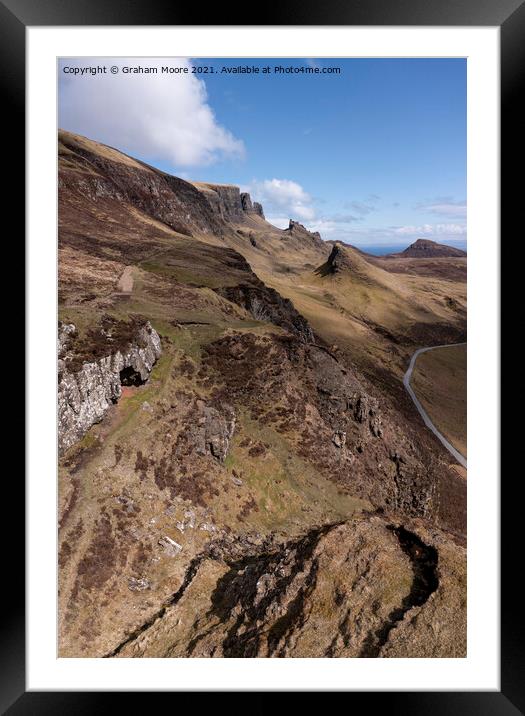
(375, 154)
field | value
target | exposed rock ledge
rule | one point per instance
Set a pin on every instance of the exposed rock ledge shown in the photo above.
(85, 396)
(266, 304)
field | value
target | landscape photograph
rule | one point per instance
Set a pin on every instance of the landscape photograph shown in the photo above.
(262, 358)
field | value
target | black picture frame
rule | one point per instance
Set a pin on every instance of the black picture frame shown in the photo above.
(15, 17)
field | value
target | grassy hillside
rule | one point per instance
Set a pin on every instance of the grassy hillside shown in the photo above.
(440, 382)
(375, 316)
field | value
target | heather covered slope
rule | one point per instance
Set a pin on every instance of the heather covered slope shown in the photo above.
(226, 448)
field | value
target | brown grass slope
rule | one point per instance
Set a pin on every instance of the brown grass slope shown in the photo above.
(375, 316)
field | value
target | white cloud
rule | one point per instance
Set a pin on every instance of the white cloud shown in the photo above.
(332, 227)
(153, 116)
(283, 197)
(328, 227)
(345, 218)
(432, 230)
(324, 227)
(362, 208)
(445, 207)
(281, 222)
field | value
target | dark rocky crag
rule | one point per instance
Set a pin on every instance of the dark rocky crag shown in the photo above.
(337, 261)
(296, 230)
(265, 304)
(251, 207)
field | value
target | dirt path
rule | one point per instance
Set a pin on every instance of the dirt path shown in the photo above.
(125, 282)
(406, 382)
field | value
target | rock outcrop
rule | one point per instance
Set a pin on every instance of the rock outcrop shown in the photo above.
(85, 394)
(351, 589)
(251, 207)
(258, 209)
(350, 261)
(296, 230)
(337, 260)
(347, 259)
(213, 430)
(303, 392)
(246, 202)
(228, 202)
(266, 304)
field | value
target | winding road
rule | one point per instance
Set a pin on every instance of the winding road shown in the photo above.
(406, 382)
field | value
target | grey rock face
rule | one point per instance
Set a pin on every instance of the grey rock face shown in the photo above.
(251, 207)
(341, 396)
(170, 547)
(226, 200)
(214, 430)
(65, 332)
(246, 202)
(258, 209)
(339, 439)
(85, 396)
(229, 202)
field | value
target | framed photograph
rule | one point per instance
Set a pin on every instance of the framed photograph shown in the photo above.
(247, 364)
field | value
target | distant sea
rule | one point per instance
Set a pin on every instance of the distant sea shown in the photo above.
(382, 249)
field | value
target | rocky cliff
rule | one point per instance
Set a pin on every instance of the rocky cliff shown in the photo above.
(228, 202)
(86, 393)
(251, 207)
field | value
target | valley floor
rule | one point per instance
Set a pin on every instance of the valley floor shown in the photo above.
(439, 380)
